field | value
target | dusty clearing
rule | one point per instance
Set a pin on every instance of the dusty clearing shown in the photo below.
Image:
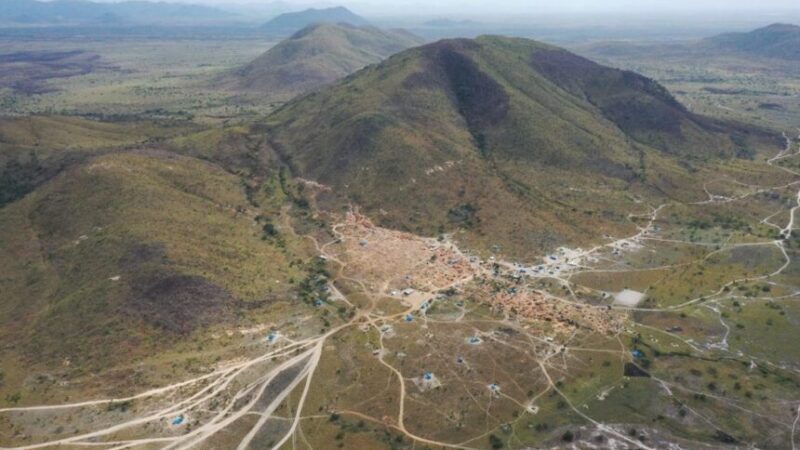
(393, 262)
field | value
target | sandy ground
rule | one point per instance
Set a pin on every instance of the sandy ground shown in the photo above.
(628, 297)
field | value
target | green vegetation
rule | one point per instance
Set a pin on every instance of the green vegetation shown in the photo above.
(18, 178)
(206, 244)
(315, 56)
(775, 41)
(496, 135)
(36, 148)
(747, 77)
(147, 235)
(163, 79)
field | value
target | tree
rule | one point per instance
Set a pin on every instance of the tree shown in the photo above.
(14, 398)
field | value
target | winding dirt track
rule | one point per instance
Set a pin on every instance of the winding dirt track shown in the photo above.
(240, 391)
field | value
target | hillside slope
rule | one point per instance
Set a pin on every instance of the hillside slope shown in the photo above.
(127, 250)
(774, 41)
(315, 56)
(34, 149)
(290, 23)
(497, 135)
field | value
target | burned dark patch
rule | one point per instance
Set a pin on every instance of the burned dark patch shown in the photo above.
(636, 104)
(771, 106)
(632, 370)
(481, 100)
(725, 437)
(508, 331)
(465, 215)
(724, 91)
(140, 255)
(567, 70)
(611, 168)
(42, 57)
(179, 303)
(22, 173)
(478, 97)
(19, 176)
(422, 80)
(27, 72)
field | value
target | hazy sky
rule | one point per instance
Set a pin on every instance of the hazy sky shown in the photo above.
(478, 8)
(546, 5)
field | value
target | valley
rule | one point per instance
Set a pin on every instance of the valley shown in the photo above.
(165, 79)
(441, 362)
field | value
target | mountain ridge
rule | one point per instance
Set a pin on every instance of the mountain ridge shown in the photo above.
(289, 23)
(314, 56)
(480, 131)
(778, 40)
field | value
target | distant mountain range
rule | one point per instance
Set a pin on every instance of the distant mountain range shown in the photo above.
(80, 12)
(315, 56)
(774, 41)
(290, 23)
(450, 23)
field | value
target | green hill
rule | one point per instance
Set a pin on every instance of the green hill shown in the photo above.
(774, 41)
(36, 148)
(126, 250)
(517, 143)
(290, 23)
(116, 246)
(315, 56)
